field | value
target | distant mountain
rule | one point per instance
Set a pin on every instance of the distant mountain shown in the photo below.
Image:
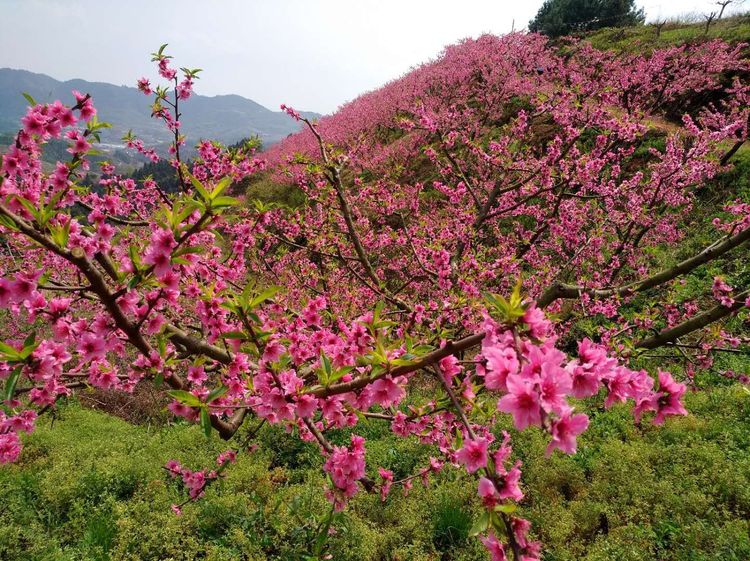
(227, 118)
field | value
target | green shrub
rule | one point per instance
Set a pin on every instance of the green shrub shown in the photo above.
(90, 486)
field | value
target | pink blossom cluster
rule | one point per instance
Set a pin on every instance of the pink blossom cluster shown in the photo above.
(346, 466)
(722, 292)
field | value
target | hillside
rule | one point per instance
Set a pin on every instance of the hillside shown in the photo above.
(474, 127)
(380, 110)
(735, 29)
(227, 118)
(484, 296)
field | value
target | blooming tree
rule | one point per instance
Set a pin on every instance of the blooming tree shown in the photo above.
(447, 218)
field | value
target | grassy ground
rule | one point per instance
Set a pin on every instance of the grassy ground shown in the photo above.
(644, 37)
(90, 486)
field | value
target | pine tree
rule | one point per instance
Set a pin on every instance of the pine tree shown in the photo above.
(562, 17)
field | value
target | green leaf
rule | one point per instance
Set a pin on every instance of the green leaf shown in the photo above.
(29, 339)
(216, 393)
(221, 186)
(179, 217)
(267, 294)
(508, 508)
(30, 207)
(10, 383)
(8, 223)
(49, 208)
(234, 335)
(158, 54)
(199, 187)
(496, 522)
(324, 372)
(340, 373)
(188, 249)
(205, 421)
(480, 524)
(515, 298)
(61, 234)
(185, 397)
(402, 362)
(224, 202)
(27, 350)
(30, 99)
(459, 440)
(135, 256)
(326, 363)
(133, 282)
(11, 354)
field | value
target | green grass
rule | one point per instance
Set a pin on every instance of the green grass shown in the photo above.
(90, 486)
(643, 37)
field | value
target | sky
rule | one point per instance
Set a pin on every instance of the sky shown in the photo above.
(311, 54)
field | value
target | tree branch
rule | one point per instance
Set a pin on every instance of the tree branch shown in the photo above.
(695, 323)
(559, 290)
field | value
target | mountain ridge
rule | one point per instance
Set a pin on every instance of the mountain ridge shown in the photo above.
(224, 117)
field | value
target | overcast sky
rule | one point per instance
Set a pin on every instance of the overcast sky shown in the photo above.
(311, 54)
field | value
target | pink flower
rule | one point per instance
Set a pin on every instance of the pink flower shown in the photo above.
(522, 402)
(20, 289)
(722, 291)
(386, 391)
(162, 240)
(91, 347)
(159, 253)
(450, 367)
(554, 385)
(164, 70)
(196, 375)
(473, 454)
(184, 89)
(495, 547)
(511, 489)
(537, 322)
(670, 395)
(584, 382)
(80, 145)
(34, 122)
(10, 447)
(228, 456)
(347, 466)
(7, 296)
(87, 108)
(564, 432)
(306, 405)
(145, 86)
(173, 467)
(487, 492)
(273, 351)
(23, 422)
(618, 386)
(502, 453)
(500, 363)
(154, 324)
(291, 112)
(387, 477)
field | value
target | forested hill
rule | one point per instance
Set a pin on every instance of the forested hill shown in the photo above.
(227, 118)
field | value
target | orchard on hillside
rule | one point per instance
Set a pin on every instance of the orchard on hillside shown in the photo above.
(455, 226)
